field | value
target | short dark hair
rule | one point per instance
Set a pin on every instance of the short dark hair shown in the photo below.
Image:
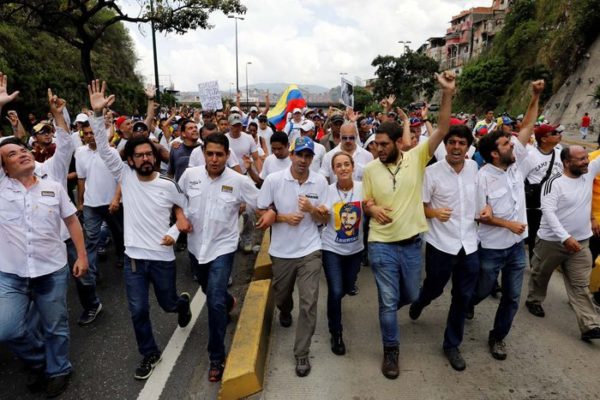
(461, 131)
(487, 144)
(138, 141)
(11, 140)
(217, 138)
(565, 154)
(184, 122)
(280, 137)
(209, 126)
(253, 124)
(392, 129)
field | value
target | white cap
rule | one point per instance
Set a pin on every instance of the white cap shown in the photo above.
(81, 117)
(234, 109)
(253, 108)
(370, 139)
(307, 125)
(296, 110)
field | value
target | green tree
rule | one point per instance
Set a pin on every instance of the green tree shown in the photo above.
(363, 98)
(82, 23)
(406, 77)
(482, 83)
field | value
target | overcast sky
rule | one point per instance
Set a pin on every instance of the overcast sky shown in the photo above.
(294, 41)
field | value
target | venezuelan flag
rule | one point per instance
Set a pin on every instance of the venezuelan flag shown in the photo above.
(290, 99)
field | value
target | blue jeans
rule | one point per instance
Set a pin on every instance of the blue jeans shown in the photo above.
(464, 269)
(92, 222)
(138, 276)
(47, 295)
(397, 270)
(341, 272)
(213, 277)
(511, 261)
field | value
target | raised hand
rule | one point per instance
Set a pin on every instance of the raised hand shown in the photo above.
(402, 114)
(5, 98)
(55, 103)
(98, 100)
(13, 118)
(352, 115)
(447, 80)
(150, 92)
(538, 86)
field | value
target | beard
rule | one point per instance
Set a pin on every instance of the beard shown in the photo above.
(146, 169)
(392, 157)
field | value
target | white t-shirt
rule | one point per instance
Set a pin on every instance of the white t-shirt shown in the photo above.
(343, 234)
(567, 205)
(197, 159)
(147, 205)
(243, 145)
(444, 188)
(361, 158)
(283, 191)
(213, 210)
(266, 135)
(317, 161)
(538, 163)
(273, 164)
(292, 129)
(100, 184)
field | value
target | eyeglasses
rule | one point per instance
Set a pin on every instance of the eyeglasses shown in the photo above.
(139, 156)
(348, 138)
(45, 132)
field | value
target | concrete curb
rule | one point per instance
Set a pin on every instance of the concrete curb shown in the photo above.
(246, 362)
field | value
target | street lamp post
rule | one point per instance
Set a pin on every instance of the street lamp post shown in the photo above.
(156, 82)
(237, 72)
(405, 44)
(230, 89)
(247, 98)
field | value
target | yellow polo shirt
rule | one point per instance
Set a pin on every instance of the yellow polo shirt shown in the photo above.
(408, 217)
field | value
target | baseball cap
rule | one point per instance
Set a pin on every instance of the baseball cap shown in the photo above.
(81, 117)
(307, 125)
(543, 130)
(297, 110)
(235, 119)
(120, 120)
(39, 127)
(456, 121)
(337, 118)
(482, 130)
(507, 121)
(414, 122)
(140, 126)
(303, 143)
(370, 139)
(253, 108)
(234, 109)
(520, 117)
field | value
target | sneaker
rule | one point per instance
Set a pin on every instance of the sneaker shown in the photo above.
(88, 316)
(414, 312)
(338, 347)
(184, 315)
(302, 366)
(535, 309)
(215, 372)
(57, 385)
(147, 366)
(285, 319)
(593, 333)
(36, 379)
(455, 358)
(354, 291)
(389, 366)
(497, 348)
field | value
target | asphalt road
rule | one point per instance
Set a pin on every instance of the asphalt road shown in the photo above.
(104, 354)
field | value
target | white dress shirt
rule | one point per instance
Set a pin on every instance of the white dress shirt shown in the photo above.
(444, 188)
(213, 210)
(100, 184)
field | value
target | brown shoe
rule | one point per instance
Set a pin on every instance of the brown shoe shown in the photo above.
(389, 366)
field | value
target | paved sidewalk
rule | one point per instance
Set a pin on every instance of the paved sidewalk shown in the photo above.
(546, 358)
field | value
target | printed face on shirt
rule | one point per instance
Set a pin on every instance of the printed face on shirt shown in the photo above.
(280, 150)
(143, 159)
(16, 160)
(216, 158)
(342, 166)
(456, 150)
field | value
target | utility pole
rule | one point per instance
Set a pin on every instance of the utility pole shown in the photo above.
(156, 82)
(237, 72)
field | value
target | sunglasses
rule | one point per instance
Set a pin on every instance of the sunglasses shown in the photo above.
(348, 138)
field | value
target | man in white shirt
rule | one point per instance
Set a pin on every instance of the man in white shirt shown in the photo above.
(563, 239)
(148, 199)
(361, 157)
(307, 128)
(292, 127)
(280, 159)
(197, 156)
(215, 195)
(298, 195)
(33, 260)
(451, 250)
(242, 144)
(264, 133)
(500, 185)
(99, 200)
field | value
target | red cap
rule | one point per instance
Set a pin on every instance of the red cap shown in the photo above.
(456, 121)
(543, 130)
(119, 121)
(482, 130)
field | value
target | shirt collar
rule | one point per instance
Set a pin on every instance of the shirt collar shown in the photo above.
(288, 175)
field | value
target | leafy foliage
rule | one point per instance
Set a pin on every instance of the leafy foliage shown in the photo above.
(406, 77)
(483, 82)
(363, 98)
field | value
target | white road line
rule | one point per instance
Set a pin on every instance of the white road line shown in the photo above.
(158, 380)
